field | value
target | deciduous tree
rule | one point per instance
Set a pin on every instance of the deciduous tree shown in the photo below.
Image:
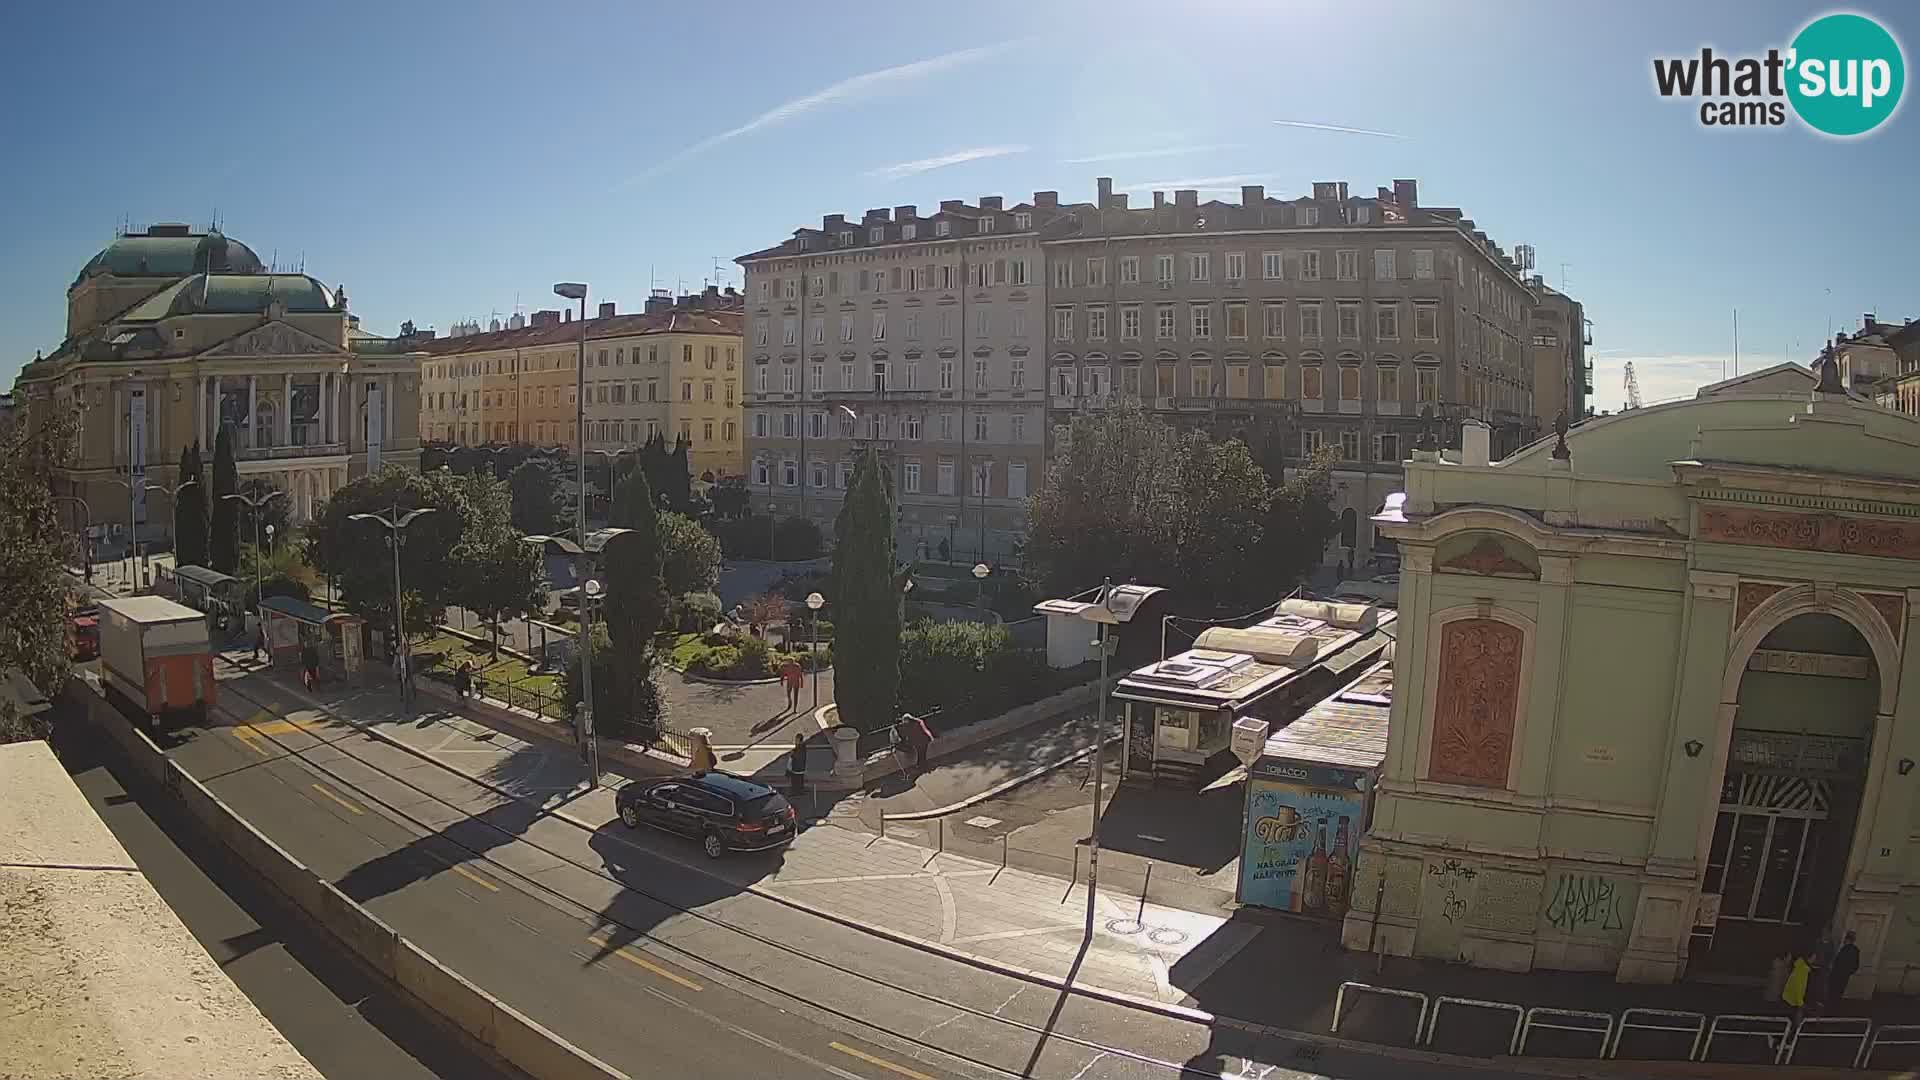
(536, 506)
(355, 553)
(690, 555)
(34, 547)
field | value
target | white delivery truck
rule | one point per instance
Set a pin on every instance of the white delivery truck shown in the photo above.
(155, 659)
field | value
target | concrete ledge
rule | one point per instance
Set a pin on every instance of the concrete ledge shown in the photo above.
(536, 728)
(444, 991)
(968, 736)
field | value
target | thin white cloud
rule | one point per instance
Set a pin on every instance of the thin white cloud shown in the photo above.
(1203, 183)
(853, 88)
(958, 157)
(1158, 151)
(1668, 376)
(1338, 128)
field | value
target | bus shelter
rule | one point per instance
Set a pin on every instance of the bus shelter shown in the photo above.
(292, 625)
(219, 595)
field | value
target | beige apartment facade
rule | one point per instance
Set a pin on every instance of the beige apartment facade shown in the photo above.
(675, 370)
(1327, 320)
(174, 335)
(921, 337)
(1558, 336)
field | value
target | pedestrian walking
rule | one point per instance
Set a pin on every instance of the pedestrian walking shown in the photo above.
(915, 733)
(463, 680)
(793, 678)
(1777, 975)
(259, 641)
(797, 765)
(310, 666)
(1822, 962)
(1846, 961)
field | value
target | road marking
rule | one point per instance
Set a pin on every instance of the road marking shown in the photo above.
(882, 1062)
(322, 789)
(635, 958)
(247, 737)
(473, 877)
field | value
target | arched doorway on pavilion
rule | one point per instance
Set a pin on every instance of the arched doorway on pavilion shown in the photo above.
(1789, 802)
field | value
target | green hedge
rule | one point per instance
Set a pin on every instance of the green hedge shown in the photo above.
(971, 671)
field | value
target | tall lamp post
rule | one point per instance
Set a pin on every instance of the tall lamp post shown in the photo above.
(1116, 606)
(173, 498)
(86, 549)
(595, 545)
(253, 504)
(980, 572)
(814, 603)
(395, 526)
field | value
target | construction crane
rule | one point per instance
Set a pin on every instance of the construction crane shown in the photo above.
(1633, 387)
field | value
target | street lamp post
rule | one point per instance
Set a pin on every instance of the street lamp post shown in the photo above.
(173, 496)
(814, 603)
(1117, 605)
(396, 526)
(980, 572)
(86, 548)
(253, 504)
(593, 544)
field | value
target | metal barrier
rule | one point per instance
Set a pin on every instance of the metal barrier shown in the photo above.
(1433, 1018)
(1829, 1027)
(1879, 1039)
(1340, 1003)
(1697, 1028)
(1771, 1028)
(1605, 1030)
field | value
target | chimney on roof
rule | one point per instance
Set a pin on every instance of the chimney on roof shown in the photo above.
(607, 309)
(905, 213)
(1866, 322)
(875, 217)
(546, 317)
(566, 315)
(1252, 194)
(711, 292)
(1118, 202)
(659, 301)
(832, 222)
(1406, 193)
(1159, 200)
(731, 293)
(1046, 200)
(952, 204)
(1105, 185)
(1186, 198)
(989, 202)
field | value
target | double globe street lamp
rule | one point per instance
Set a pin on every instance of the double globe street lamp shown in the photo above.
(396, 527)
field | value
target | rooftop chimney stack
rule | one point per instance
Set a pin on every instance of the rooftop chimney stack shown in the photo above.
(1105, 184)
(989, 202)
(832, 222)
(1159, 200)
(607, 309)
(905, 213)
(1046, 200)
(952, 204)
(1406, 193)
(1252, 194)
(1186, 198)
(566, 315)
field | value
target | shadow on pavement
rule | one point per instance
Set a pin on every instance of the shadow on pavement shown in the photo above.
(657, 888)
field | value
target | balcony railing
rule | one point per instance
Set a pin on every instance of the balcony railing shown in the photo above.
(276, 453)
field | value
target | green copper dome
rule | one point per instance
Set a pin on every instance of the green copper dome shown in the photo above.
(171, 251)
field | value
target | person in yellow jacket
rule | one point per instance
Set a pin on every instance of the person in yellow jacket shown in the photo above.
(1795, 992)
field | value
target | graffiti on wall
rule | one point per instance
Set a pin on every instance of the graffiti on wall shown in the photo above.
(1586, 903)
(1453, 881)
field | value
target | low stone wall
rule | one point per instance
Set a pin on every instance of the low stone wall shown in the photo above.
(537, 728)
(490, 1023)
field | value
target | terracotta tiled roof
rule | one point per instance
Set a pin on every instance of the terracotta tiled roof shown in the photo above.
(678, 321)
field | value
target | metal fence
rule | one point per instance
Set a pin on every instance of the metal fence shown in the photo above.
(1779, 1036)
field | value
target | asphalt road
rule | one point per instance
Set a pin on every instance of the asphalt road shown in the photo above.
(621, 943)
(343, 1020)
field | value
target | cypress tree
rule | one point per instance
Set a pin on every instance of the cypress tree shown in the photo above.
(190, 511)
(866, 601)
(223, 539)
(636, 589)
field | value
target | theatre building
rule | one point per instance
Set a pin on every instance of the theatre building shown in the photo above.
(1656, 702)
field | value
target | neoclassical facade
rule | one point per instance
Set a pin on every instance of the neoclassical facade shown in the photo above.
(173, 335)
(1657, 701)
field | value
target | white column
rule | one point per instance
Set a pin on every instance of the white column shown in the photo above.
(213, 421)
(199, 408)
(326, 406)
(286, 410)
(386, 427)
(253, 403)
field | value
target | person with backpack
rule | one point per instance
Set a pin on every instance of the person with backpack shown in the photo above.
(915, 733)
(463, 680)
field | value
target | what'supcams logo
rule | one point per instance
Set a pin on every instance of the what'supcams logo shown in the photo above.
(1842, 75)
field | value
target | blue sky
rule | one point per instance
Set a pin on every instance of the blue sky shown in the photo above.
(445, 161)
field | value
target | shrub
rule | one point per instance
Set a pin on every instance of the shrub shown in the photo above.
(796, 538)
(754, 657)
(713, 661)
(690, 555)
(694, 613)
(967, 672)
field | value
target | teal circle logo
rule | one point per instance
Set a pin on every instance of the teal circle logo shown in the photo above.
(1847, 74)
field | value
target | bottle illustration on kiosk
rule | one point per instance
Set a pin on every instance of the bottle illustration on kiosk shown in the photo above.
(1339, 868)
(1313, 893)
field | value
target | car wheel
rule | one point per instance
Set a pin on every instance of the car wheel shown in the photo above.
(715, 847)
(630, 817)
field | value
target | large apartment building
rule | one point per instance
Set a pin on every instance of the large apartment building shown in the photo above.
(921, 336)
(674, 369)
(1325, 320)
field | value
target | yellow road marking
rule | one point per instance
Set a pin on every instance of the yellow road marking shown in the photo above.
(322, 789)
(247, 737)
(882, 1062)
(286, 727)
(473, 877)
(635, 958)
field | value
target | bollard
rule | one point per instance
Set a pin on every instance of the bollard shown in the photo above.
(1145, 884)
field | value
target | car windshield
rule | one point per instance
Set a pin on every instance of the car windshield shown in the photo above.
(765, 806)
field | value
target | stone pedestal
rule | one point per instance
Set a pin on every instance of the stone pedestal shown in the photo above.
(1662, 924)
(702, 754)
(846, 753)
